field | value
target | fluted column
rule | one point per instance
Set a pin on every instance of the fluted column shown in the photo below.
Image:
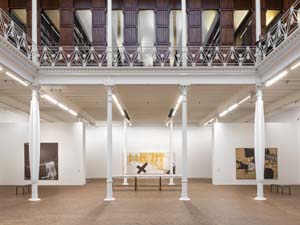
(258, 18)
(125, 181)
(171, 181)
(184, 33)
(109, 32)
(34, 143)
(259, 142)
(109, 181)
(184, 180)
(34, 30)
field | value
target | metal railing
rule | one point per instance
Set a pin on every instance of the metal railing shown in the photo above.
(11, 32)
(151, 56)
(146, 56)
(286, 25)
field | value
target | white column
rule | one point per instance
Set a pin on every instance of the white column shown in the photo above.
(125, 181)
(34, 30)
(109, 32)
(258, 19)
(184, 189)
(184, 33)
(259, 143)
(109, 181)
(171, 181)
(34, 143)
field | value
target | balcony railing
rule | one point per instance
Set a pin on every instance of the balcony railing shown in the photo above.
(146, 56)
(151, 56)
(285, 26)
(11, 32)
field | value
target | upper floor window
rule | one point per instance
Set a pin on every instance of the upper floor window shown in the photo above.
(50, 27)
(272, 16)
(210, 27)
(83, 27)
(117, 28)
(19, 16)
(242, 20)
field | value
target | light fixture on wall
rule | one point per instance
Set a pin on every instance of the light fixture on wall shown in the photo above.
(276, 78)
(17, 79)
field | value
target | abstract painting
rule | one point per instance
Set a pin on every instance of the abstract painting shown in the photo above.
(150, 163)
(245, 163)
(48, 161)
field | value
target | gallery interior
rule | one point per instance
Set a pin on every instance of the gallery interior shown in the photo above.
(150, 112)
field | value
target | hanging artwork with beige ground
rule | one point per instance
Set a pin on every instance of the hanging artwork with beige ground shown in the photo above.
(245, 163)
(149, 163)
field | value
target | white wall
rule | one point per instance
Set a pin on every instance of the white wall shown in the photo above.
(228, 137)
(144, 139)
(70, 153)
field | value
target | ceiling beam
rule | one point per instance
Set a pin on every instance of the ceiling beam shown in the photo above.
(65, 101)
(275, 106)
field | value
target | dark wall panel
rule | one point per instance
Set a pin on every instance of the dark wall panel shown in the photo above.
(50, 4)
(99, 21)
(194, 19)
(66, 22)
(130, 22)
(82, 4)
(162, 22)
(226, 22)
(4, 5)
(211, 4)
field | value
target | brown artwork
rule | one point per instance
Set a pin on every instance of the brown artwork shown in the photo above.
(48, 161)
(245, 163)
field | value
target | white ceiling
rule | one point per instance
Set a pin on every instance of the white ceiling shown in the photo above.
(147, 103)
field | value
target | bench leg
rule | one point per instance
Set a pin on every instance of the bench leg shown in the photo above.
(135, 183)
(159, 183)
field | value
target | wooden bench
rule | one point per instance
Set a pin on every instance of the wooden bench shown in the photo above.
(148, 176)
(282, 186)
(23, 187)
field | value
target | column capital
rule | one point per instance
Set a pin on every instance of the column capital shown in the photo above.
(259, 89)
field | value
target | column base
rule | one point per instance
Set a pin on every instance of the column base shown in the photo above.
(260, 198)
(184, 199)
(34, 199)
(171, 183)
(125, 183)
(109, 199)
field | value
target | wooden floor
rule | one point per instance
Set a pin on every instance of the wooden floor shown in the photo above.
(209, 205)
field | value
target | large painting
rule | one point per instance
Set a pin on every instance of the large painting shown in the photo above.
(150, 163)
(245, 163)
(48, 161)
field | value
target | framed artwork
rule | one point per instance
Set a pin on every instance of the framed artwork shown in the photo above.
(150, 163)
(245, 163)
(48, 161)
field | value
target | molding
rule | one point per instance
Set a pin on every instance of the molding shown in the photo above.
(281, 57)
(16, 62)
(147, 75)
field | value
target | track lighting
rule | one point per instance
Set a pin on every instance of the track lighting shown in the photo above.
(60, 105)
(16, 78)
(276, 78)
(177, 105)
(118, 105)
(224, 113)
(295, 66)
(245, 99)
